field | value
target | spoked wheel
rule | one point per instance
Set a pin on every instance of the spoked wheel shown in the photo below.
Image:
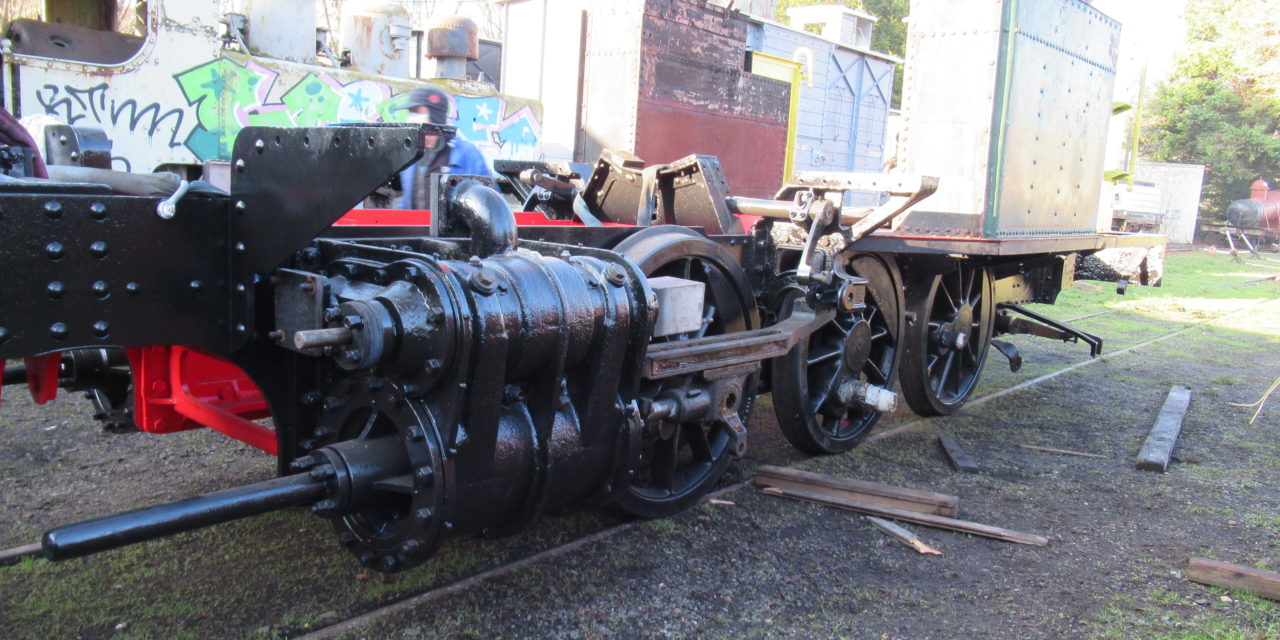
(946, 344)
(681, 461)
(862, 346)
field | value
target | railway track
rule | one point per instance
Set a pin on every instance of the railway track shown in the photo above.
(16, 554)
(411, 602)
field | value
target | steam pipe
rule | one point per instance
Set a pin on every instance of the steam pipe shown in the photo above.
(487, 215)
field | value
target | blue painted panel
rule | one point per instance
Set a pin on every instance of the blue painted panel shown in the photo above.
(844, 106)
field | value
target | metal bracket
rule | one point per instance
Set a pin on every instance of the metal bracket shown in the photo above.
(1044, 327)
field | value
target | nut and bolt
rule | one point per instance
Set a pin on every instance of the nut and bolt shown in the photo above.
(615, 275)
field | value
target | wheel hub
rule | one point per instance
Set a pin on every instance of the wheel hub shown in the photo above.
(857, 348)
(400, 521)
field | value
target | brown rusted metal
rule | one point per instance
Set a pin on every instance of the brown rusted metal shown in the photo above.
(671, 74)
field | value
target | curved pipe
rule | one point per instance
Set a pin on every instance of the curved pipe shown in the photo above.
(487, 215)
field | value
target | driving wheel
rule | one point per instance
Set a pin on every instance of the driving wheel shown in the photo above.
(860, 347)
(680, 461)
(949, 328)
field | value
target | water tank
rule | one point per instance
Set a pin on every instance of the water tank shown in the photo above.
(376, 34)
(284, 29)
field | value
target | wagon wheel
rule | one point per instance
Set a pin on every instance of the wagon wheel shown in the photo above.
(681, 461)
(861, 346)
(951, 317)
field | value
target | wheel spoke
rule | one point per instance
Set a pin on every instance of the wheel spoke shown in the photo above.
(663, 469)
(699, 442)
(823, 357)
(368, 426)
(946, 372)
(874, 373)
(942, 286)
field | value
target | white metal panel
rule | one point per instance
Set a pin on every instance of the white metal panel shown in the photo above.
(947, 99)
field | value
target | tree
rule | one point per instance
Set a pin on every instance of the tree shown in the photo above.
(1216, 111)
(889, 35)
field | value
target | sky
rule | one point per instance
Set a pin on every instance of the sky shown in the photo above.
(1152, 33)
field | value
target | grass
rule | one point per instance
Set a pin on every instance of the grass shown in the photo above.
(1162, 614)
(282, 573)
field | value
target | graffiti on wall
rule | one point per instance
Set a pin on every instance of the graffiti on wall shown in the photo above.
(195, 114)
(228, 95)
(94, 106)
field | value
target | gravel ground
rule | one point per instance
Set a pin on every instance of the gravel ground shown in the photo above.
(761, 567)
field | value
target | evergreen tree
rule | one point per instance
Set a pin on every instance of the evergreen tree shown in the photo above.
(1219, 108)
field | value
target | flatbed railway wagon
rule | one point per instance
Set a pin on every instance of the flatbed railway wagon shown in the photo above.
(462, 370)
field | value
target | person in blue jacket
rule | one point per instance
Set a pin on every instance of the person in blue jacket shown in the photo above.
(443, 154)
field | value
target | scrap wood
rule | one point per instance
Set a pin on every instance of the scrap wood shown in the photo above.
(1262, 402)
(926, 519)
(722, 503)
(874, 492)
(1065, 452)
(1156, 451)
(960, 461)
(1275, 278)
(903, 535)
(1231, 576)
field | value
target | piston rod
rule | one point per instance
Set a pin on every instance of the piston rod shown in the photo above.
(110, 532)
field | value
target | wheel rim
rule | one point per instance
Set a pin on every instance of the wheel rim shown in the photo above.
(863, 346)
(680, 461)
(948, 341)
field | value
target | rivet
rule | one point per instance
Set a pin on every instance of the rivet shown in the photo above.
(98, 249)
(240, 288)
(239, 164)
(4, 334)
(259, 145)
(55, 250)
(196, 286)
(241, 329)
(58, 330)
(53, 209)
(132, 288)
(56, 289)
(98, 210)
(240, 206)
(239, 247)
(101, 290)
(101, 329)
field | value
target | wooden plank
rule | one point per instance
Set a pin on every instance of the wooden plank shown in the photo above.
(1155, 452)
(1231, 576)
(16, 554)
(927, 519)
(1063, 452)
(873, 492)
(960, 461)
(903, 535)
